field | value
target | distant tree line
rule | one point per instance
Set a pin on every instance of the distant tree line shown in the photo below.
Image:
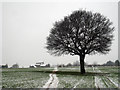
(17, 66)
(6, 66)
(76, 63)
(110, 63)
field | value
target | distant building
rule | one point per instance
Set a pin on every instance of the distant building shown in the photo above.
(41, 64)
(38, 64)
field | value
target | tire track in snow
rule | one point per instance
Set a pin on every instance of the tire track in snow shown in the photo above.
(113, 82)
(98, 81)
(109, 80)
(77, 83)
(53, 80)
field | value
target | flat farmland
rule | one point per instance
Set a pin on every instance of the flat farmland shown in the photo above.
(66, 77)
(24, 77)
(95, 77)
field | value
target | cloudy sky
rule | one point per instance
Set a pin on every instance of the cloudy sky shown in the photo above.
(27, 24)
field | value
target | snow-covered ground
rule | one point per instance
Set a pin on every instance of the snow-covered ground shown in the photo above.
(115, 83)
(103, 81)
(98, 81)
(53, 80)
(97, 77)
(76, 84)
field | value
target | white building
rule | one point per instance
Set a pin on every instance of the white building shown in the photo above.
(40, 64)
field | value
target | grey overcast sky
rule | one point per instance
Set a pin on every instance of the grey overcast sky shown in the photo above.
(27, 24)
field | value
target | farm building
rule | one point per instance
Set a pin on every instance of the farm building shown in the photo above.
(41, 64)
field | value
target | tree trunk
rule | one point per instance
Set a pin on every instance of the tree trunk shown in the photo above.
(82, 68)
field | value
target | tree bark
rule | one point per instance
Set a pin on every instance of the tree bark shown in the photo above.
(82, 68)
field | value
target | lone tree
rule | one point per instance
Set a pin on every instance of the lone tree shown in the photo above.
(81, 33)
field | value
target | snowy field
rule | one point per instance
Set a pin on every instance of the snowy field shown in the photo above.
(95, 77)
(24, 78)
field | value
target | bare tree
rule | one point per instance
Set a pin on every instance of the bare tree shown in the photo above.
(15, 66)
(117, 63)
(81, 33)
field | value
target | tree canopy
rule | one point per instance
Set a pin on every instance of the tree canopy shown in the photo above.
(82, 31)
